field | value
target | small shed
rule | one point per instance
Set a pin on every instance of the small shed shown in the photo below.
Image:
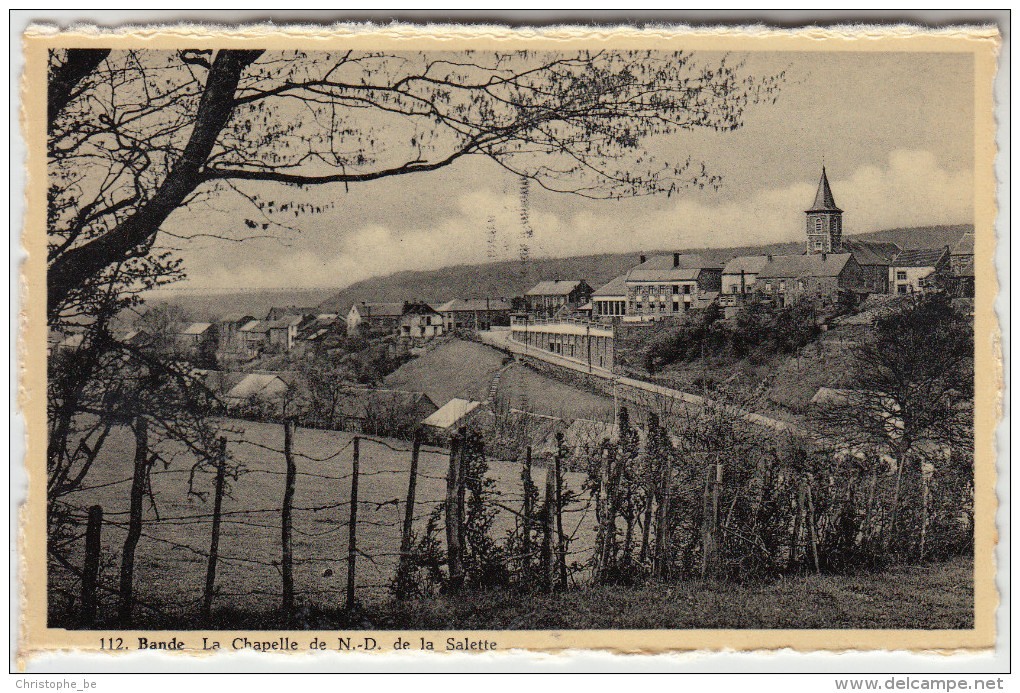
(260, 386)
(453, 415)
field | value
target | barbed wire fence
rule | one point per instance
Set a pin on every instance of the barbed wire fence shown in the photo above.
(273, 528)
(192, 563)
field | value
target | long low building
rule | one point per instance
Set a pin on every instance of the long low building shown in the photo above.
(582, 341)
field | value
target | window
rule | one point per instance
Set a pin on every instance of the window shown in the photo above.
(687, 289)
(818, 224)
(901, 276)
(902, 288)
(733, 289)
(782, 286)
(676, 288)
(819, 243)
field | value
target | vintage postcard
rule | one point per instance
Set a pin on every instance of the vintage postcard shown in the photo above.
(471, 340)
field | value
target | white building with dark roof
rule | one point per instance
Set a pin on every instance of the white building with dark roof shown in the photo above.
(549, 297)
(610, 300)
(670, 285)
(914, 270)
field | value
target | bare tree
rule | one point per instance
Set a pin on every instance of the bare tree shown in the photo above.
(135, 135)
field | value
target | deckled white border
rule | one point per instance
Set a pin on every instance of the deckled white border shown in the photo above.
(762, 660)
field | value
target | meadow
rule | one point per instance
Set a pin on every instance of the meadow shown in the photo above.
(171, 557)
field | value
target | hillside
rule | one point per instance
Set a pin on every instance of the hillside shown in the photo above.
(467, 370)
(498, 279)
(254, 302)
(505, 279)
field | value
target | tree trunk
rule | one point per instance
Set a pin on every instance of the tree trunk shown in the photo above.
(287, 558)
(82, 263)
(127, 565)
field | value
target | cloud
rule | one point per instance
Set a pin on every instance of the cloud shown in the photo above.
(485, 225)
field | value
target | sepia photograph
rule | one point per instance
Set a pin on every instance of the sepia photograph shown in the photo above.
(670, 334)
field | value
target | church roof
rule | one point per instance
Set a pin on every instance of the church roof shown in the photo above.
(871, 252)
(823, 198)
(798, 266)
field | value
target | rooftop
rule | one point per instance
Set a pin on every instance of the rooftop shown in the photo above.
(815, 265)
(472, 304)
(748, 264)
(824, 201)
(196, 328)
(615, 288)
(921, 257)
(380, 310)
(451, 413)
(668, 267)
(554, 287)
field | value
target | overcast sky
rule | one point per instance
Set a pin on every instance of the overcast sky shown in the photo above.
(895, 130)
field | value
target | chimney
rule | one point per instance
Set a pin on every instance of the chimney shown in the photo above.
(676, 259)
(641, 259)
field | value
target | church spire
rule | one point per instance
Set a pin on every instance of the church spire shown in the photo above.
(824, 221)
(824, 201)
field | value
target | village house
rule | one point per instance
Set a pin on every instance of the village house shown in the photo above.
(610, 300)
(420, 321)
(313, 334)
(254, 337)
(823, 275)
(549, 297)
(915, 270)
(268, 388)
(229, 331)
(195, 337)
(277, 312)
(961, 265)
(474, 313)
(136, 338)
(738, 278)
(373, 318)
(873, 259)
(670, 285)
(283, 331)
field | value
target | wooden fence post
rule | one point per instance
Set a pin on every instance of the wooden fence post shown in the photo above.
(405, 537)
(214, 543)
(127, 565)
(812, 533)
(452, 531)
(462, 469)
(795, 537)
(662, 533)
(924, 509)
(528, 510)
(561, 538)
(352, 528)
(90, 570)
(548, 530)
(287, 558)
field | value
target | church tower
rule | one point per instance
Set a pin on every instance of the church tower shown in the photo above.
(824, 221)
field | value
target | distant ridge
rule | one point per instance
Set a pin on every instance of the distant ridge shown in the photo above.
(500, 279)
(504, 279)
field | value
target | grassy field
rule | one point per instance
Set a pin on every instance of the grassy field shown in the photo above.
(935, 596)
(454, 369)
(171, 558)
(466, 369)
